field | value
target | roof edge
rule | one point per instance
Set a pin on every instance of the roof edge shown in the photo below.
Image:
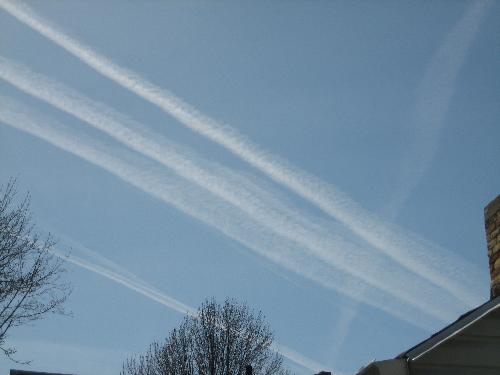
(451, 330)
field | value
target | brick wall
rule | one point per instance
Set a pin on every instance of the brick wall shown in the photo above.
(492, 224)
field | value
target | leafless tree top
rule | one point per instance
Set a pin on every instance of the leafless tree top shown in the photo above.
(219, 340)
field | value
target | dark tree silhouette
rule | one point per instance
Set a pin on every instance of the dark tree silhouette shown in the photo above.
(30, 276)
(219, 340)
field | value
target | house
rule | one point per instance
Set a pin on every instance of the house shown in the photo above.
(468, 346)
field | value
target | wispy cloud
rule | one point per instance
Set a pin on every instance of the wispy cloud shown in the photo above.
(434, 94)
(204, 207)
(246, 195)
(436, 264)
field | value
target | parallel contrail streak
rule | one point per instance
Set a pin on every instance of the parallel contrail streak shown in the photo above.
(441, 267)
(327, 246)
(204, 207)
(133, 284)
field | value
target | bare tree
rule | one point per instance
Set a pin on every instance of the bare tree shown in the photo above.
(219, 340)
(30, 276)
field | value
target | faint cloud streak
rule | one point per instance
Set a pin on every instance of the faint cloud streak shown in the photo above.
(434, 95)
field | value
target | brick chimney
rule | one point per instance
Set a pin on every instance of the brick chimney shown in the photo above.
(492, 225)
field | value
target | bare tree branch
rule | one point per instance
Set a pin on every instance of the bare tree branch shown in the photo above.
(31, 284)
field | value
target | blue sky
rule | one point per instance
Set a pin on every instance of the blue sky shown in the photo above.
(326, 162)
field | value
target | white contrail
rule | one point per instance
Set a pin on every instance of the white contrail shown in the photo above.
(149, 292)
(434, 94)
(204, 207)
(440, 266)
(134, 283)
(216, 179)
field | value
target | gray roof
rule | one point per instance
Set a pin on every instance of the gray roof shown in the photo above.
(470, 345)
